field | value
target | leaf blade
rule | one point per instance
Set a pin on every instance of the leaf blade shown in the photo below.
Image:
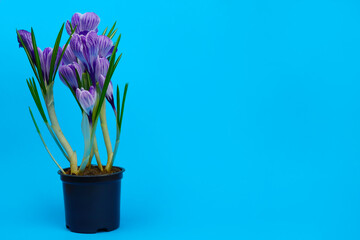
(111, 29)
(37, 61)
(54, 54)
(42, 139)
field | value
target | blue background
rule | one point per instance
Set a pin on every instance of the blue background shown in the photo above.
(242, 120)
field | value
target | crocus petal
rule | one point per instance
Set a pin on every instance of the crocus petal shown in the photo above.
(106, 46)
(68, 27)
(26, 38)
(69, 72)
(82, 66)
(40, 52)
(60, 50)
(46, 60)
(75, 21)
(68, 56)
(91, 48)
(86, 49)
(86, 99)
(109, 91)
(89, 21)
(77, 47)
(101, 68)
(92, 91)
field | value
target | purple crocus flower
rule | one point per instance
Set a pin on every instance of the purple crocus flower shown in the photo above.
(69, 72)
(26, 38)
(106, 46)
(45, 60)
(44, 56)
(86, 49)
(109, 91)
(101, 67)
(85, 23)
(87, 99)
(68, 56)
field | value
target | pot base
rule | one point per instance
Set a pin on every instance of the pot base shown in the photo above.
(93, 230)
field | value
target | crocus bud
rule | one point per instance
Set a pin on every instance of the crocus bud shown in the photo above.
(26, 38)
(109, 91)
(85, 23)
(86, 48)
(45, 59)
(86, 99)
(69, 72)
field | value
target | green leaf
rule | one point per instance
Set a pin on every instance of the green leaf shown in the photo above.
(35, 95)
(123, 105)
(117, 104)
(54, 54)
(107, 81)
(119, 122)
(113, 34)
(65, 46)
(42, 139)
(104, 32)
(112, 28)
(116, 63)
(78, 78)
(85, 80)
(38, 63)
(28, 55)
(32, 116)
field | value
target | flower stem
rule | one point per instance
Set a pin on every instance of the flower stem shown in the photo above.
(49, 100)
(97, 156)
(95, 151)
(107, 140)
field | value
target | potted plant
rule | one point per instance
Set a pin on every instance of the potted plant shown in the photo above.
(86, 64)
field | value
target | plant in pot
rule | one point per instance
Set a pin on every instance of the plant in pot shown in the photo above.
(86, 64)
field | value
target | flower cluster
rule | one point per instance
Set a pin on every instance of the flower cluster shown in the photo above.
(86, 64)
(88, 53)
(44, 56)
(86, 57)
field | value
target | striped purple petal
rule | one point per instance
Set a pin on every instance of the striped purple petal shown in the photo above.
(101, 68)
(68, 27)
(86, 99)
(86, 49)
(76, 46)
(89, 22)
(26, 38)
(91, 48)
(109, 91)
(85, 23)
(106, 46)
(69, 72)
(68, 56)
(75, 21)
(45, 62)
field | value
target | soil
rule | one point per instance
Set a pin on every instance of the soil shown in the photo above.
(95, 171)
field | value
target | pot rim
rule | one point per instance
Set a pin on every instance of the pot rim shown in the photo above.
(91, 178)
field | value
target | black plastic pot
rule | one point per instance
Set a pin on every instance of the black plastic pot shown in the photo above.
(92, 203)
